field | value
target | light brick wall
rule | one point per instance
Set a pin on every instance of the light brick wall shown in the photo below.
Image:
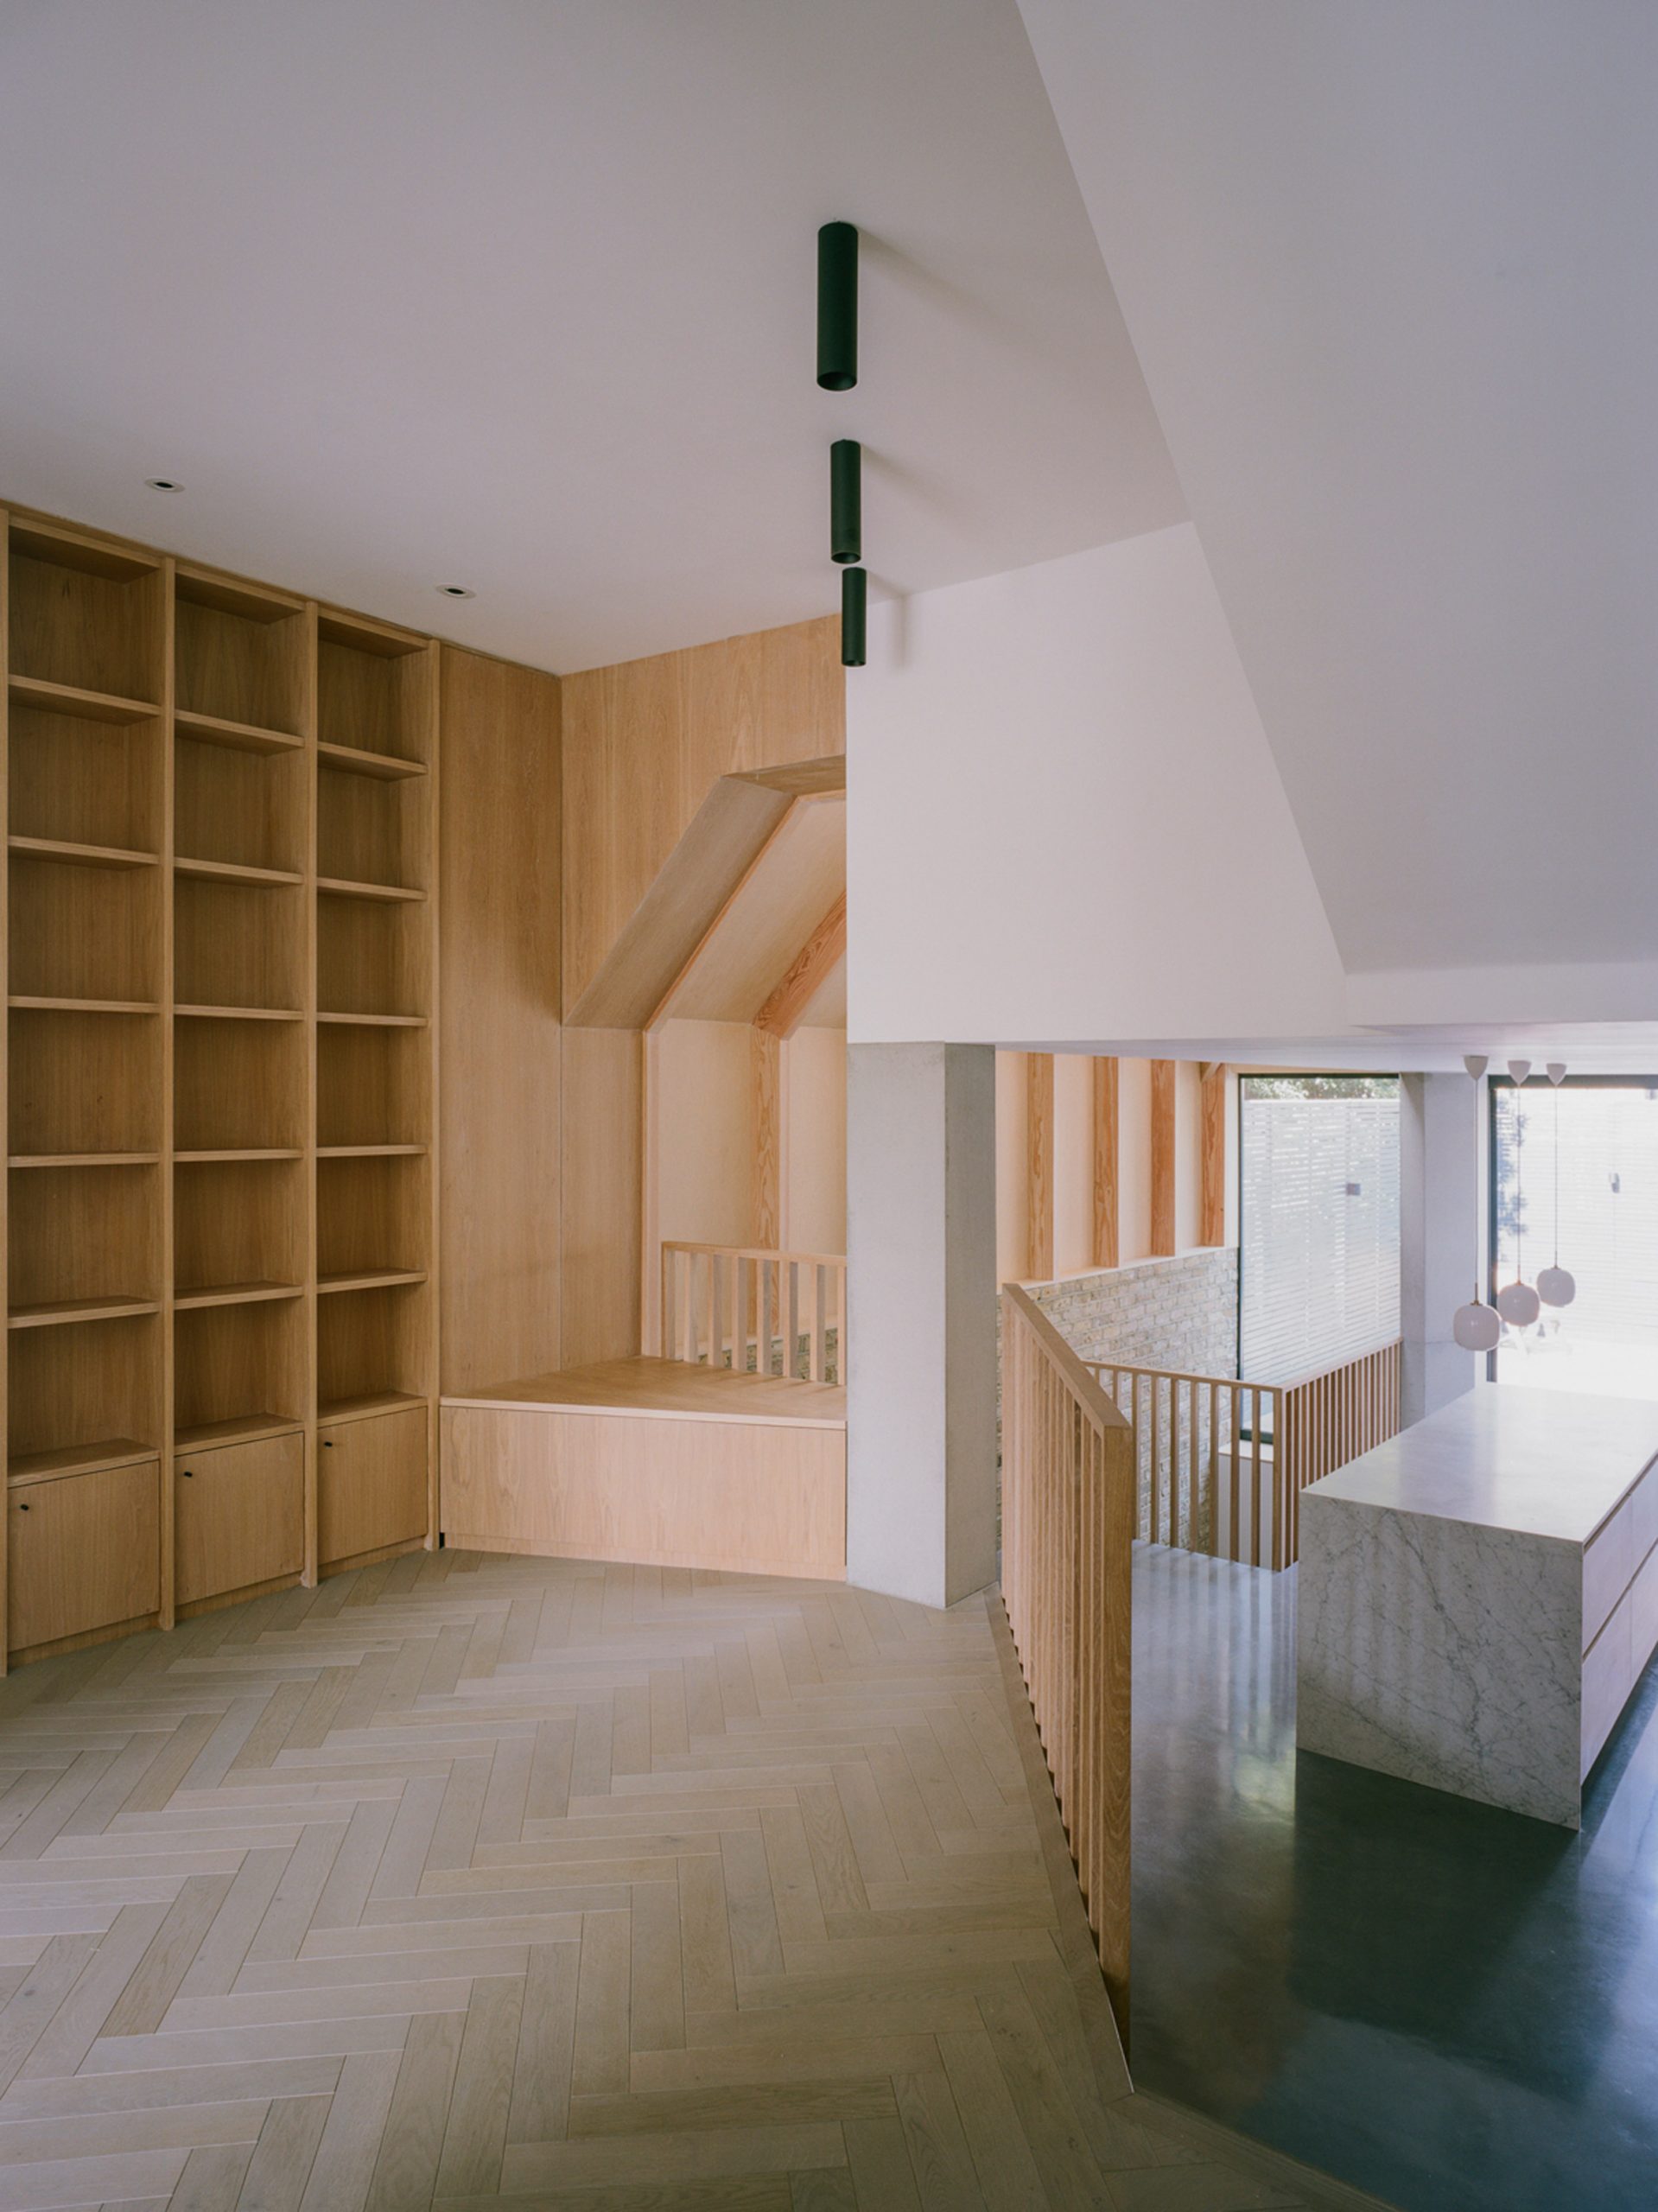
(1180, 1313)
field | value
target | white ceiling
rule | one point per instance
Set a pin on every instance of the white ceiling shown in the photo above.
(1390, 272)
(521, 297)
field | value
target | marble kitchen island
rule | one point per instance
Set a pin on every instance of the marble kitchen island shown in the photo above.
(1478, 1596)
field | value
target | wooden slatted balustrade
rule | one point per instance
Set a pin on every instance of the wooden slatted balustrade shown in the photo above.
(1330, 1417)
(744, 1306)
(1068, 1507)
(1222, 1462)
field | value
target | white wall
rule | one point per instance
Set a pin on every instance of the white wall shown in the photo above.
(1386, 269)
(1064, 823)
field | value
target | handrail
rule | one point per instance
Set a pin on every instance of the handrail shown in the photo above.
(1222, 1461)
(738, 1305)
(1068, 1526)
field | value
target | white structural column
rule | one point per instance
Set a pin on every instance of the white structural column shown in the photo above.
(921, 1250)
(1441, 1233)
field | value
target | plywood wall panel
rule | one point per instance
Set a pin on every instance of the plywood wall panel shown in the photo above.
(644, 741)
(1107, 1164)
(1162, 1156)
(1212, 1206)
(1013, 1188)
(705, 1159)
(816, 1209)
(1134, 1160)
(498, 1056)
(1073, 1181)
(602, 1154)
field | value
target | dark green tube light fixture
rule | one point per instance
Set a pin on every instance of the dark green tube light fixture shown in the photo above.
(853, 606)
(837, 306)
(846, 500)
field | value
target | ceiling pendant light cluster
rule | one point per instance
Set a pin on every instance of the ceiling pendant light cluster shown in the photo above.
(837, 370)
(1517, 1302)
(1477, 1326)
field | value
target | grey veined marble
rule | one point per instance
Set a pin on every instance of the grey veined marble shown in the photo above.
(1444, 1579)
(1441, 1652)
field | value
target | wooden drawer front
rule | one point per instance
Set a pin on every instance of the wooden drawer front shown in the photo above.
(370, 1483)
(85, 1553)
(240, 1516)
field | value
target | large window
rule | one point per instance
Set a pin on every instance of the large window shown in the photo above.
(1319, 1239)
(1574, 1175)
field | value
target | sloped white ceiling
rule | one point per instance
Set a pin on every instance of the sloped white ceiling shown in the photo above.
(520, 296)
(1389, 269)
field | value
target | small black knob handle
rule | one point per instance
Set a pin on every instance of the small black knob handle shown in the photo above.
(22, 1508)
(327, 1444)
(188, 1473)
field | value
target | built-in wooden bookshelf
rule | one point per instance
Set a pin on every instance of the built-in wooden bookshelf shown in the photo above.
(218, 830)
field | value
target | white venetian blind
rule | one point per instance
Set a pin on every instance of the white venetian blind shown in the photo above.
(1319, 1232)
(1606, 1234)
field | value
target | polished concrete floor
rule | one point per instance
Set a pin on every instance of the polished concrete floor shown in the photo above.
(1449, 2005)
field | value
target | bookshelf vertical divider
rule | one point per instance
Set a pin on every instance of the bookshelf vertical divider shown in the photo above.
(5, 1047)
(218, 822)
(165, 1484)
(308, 731)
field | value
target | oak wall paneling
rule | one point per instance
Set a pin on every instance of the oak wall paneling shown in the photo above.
(1039, 1076)
(601, 1213)
(1164, 1154)
(1212, 1210)
(769, 1054)
(814, 1181)
(1106, 1168)
(498, 1056)
(645, 741)
(743, 1496)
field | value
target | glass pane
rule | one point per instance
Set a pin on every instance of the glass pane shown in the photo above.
(1590, 1202)
(1319, 1232)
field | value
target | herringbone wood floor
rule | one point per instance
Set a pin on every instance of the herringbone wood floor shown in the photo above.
(467, 1878)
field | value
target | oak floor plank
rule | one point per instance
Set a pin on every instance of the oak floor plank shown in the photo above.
(342, 2170)
(626, 1890)
(405, 2171)
(708, 1983)
(878, 2155)
(599, 2060)
(656, 2001)
(751, 1910)
(213, 2177)
(943, 2165)
(543, 2064)
(141, 2006)
(1007, 2172)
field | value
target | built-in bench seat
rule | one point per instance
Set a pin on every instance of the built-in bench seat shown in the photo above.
(653, 1460)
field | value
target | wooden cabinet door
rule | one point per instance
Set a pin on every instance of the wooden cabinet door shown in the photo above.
(240, 1516)
(85, 1553)
(370, 1483)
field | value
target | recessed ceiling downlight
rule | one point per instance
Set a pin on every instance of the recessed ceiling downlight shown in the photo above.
(163, 484)
(457, 591)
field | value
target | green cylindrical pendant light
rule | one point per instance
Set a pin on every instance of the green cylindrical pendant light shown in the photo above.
(837, 306)
(846, 500)
(853, 603)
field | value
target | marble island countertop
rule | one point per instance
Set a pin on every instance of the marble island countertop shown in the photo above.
(1538, 1463)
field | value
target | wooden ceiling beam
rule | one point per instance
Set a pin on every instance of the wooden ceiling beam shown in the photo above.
(806, 974)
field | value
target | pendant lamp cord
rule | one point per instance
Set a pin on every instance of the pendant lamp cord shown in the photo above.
(1477, 1249)
(1519, 1190)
